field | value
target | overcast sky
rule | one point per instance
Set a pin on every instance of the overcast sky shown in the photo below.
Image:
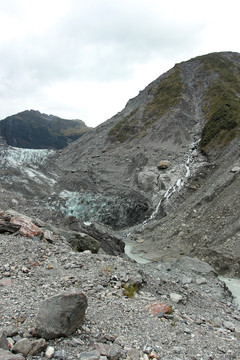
(84, 59)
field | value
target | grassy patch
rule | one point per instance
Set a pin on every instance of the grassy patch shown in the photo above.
(222, 109)
(165, 96)
(124, 129)
(129, 290)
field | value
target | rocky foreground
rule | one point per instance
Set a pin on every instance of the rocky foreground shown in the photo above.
(165, 310)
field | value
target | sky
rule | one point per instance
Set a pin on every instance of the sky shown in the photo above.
(84, 59)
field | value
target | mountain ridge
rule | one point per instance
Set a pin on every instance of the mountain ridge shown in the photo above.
(32, 129)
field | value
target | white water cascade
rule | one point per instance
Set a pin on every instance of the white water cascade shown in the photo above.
(178, 184)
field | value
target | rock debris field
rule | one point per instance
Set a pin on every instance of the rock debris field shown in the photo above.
(165, 310)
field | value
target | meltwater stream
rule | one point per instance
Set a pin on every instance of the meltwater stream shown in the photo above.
(233, 285)
(177, 186)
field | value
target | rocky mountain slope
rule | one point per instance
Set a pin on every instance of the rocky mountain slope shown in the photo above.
(169, 159)
(163, 174)
(33, 130)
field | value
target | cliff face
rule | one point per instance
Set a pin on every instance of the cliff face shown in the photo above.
(33, 130)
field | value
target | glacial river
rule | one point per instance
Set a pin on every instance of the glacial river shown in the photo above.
(232, 283)
(134, 256)
(234, 286)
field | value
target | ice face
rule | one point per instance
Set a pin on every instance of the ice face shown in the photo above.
(16, 157)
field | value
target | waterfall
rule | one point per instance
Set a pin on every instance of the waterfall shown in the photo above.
(178, 185)
(154, 213)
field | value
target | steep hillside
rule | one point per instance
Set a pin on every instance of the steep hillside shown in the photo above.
(33, 130)
(188, 118)
(162, 174)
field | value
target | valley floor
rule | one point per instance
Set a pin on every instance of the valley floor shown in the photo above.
(204, 323)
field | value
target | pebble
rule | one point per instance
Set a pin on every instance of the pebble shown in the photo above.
(90, 355)
(49, 352)
(26, 346)
(201, 281)
(7, 355)
(229, 325)
(217, 321)
(176, 298)
(114, 352)
(60, 354)
(3, 341)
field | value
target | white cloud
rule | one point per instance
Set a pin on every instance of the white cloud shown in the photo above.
(85, 59)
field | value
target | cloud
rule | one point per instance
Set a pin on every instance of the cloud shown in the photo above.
(95, 40)
(55, 53)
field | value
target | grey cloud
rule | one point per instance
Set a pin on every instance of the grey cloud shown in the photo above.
(96, 40)
(101, 42)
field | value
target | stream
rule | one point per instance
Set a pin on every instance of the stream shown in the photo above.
(233, 285)
(179, 183)
(177, 186)
(139, 258)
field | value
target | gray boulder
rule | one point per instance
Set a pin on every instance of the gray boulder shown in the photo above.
(78, 240)
(7, 355)
(3, 341)
(29, 347)
(81, 241)
(60, 315)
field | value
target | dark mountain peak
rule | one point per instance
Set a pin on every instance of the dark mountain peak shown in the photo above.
(34, 130)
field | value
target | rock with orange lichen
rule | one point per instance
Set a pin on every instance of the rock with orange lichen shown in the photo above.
(158, 307)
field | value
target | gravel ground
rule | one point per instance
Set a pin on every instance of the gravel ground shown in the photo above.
(204, 323)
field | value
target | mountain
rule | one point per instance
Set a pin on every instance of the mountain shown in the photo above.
(34, 130)
(162, 174)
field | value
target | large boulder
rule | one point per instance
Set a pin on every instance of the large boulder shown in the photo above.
(79, 241)
(163, 164)
(7, 355)
(27, 347)
(28, 228)
(60, 315)
(13, 221)
(109, 243)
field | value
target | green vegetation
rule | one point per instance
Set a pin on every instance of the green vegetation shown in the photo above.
(222, 115)
(222, 109)
(130, 290)
(124, 129)
(165, 96)
(223, 67)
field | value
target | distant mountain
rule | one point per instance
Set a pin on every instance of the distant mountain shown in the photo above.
(33, 130)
